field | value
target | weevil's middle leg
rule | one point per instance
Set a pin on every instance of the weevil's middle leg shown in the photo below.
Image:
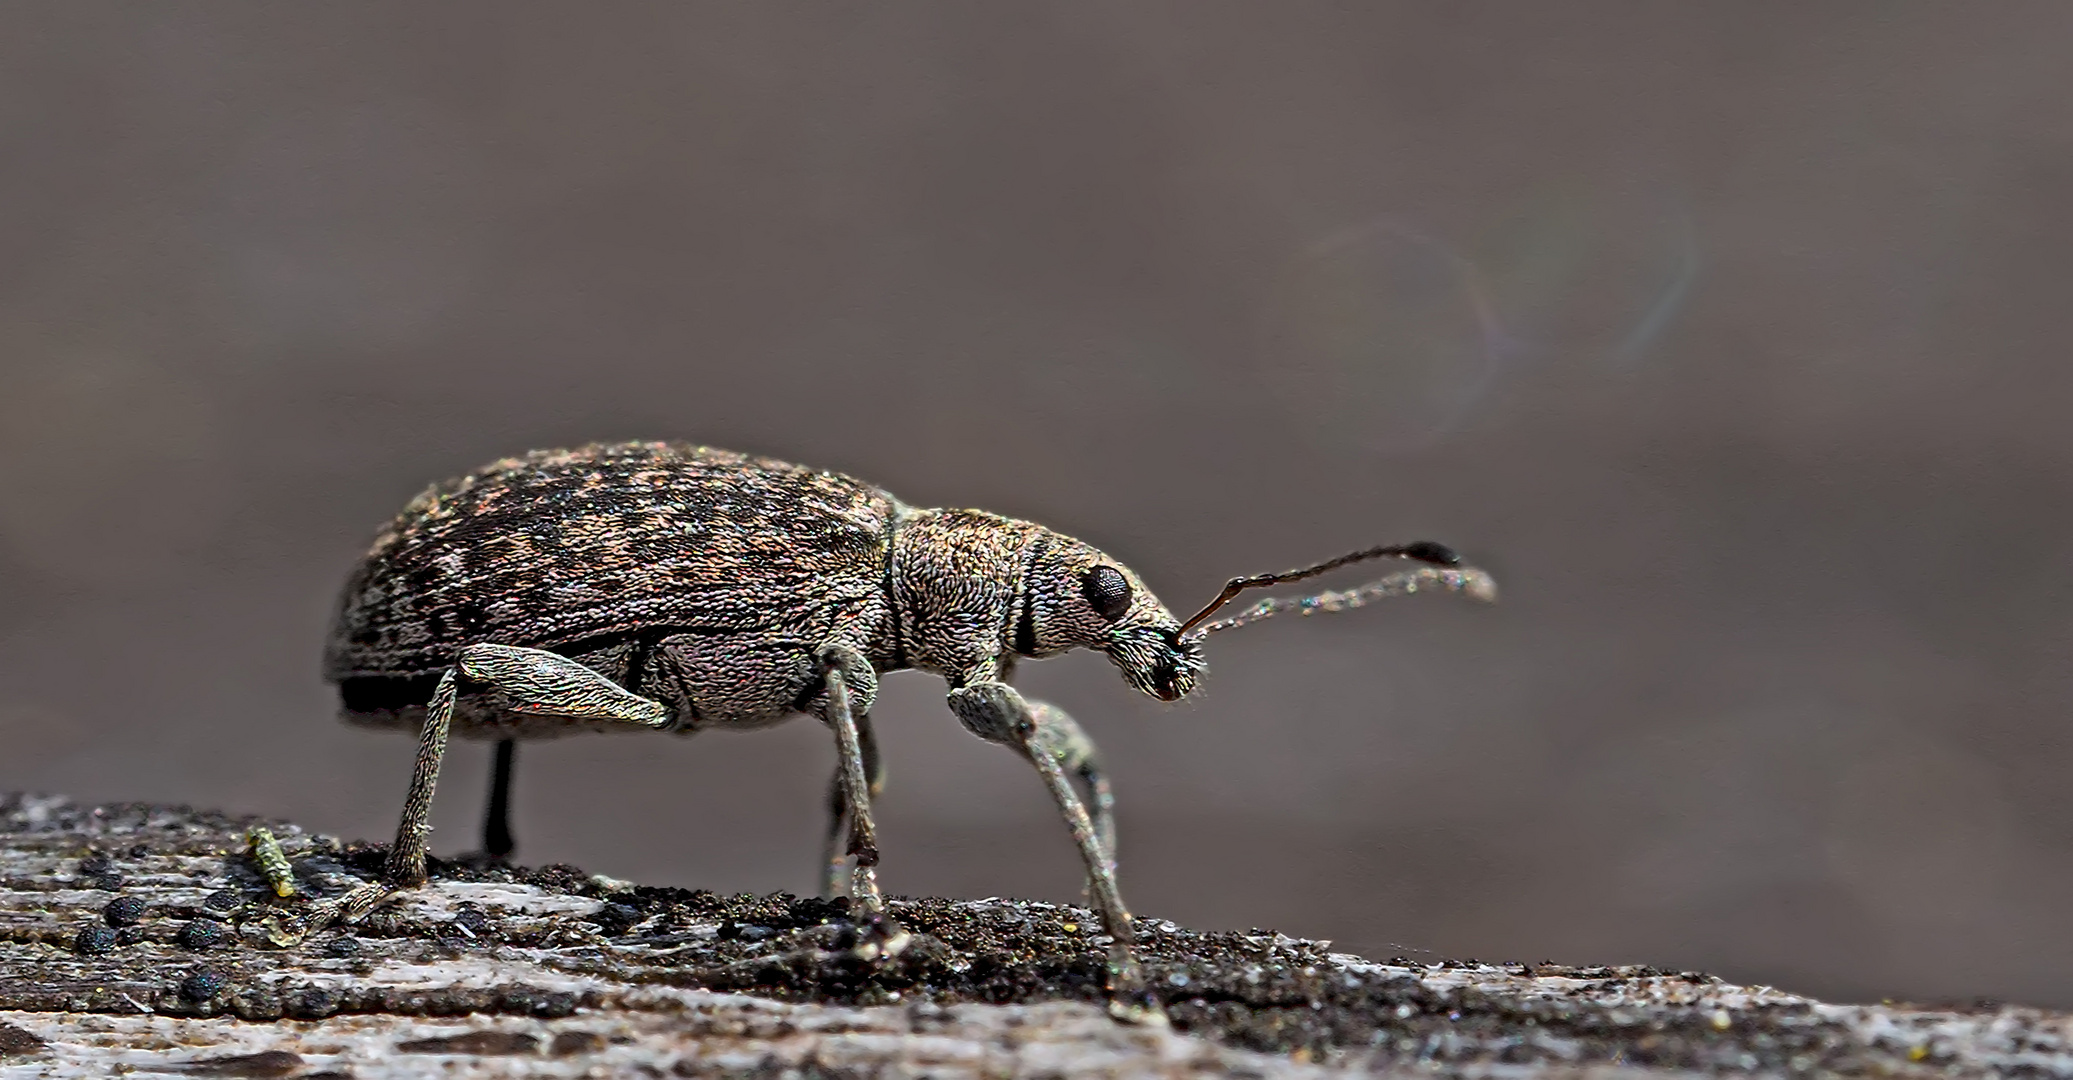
(834, 858)
(995, 712)
(846, 671)
(528, 681)
(496, 823)
(852, 686)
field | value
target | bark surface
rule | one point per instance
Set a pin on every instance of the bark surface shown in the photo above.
(132, 940)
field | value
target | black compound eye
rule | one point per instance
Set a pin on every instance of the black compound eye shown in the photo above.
(1107, 591)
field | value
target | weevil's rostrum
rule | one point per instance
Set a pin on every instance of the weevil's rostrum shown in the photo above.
(663, 586)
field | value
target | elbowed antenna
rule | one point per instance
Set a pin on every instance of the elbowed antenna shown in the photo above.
(1445, 571)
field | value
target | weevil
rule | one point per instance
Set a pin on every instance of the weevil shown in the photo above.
(676, 588)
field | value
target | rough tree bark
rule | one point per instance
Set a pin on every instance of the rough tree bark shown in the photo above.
(122, 950)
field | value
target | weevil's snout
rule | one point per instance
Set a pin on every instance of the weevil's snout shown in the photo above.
(1157, 660)
(1078, 598)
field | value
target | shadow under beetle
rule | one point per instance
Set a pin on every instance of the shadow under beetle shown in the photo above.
(677, 587)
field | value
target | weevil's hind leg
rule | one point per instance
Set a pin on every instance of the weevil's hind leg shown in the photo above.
(834, 861)
(496, 823)
(528, 681)
(995, 712)
(1060, 736)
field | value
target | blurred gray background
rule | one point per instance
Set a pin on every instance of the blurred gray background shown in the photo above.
(1733, 339)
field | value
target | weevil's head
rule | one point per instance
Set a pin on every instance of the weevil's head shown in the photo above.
(1075, 597)
(972, 588)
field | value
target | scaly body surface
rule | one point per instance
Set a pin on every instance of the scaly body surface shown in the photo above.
(671, 587)
(698, 577)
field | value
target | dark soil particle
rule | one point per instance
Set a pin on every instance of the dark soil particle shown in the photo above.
(474, 1042)
(203, 934)
(567, 1043)
(311, 1003)
(344, 945)
(202, 985)
(222, 900)
(14, 1040)
(263, 1064)
(125, 910)
(97, 871)
(94, 940)
(471, 918)
(616, 919)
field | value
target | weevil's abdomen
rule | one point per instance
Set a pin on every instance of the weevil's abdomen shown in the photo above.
(610, 553)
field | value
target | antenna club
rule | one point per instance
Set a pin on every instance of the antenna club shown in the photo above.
(1432, 551)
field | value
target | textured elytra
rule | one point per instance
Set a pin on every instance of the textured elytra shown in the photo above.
(558, 548)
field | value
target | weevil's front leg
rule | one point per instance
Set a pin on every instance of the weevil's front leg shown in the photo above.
(527, 681)
(834, 859)
(1060, 736)
(995, 712)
